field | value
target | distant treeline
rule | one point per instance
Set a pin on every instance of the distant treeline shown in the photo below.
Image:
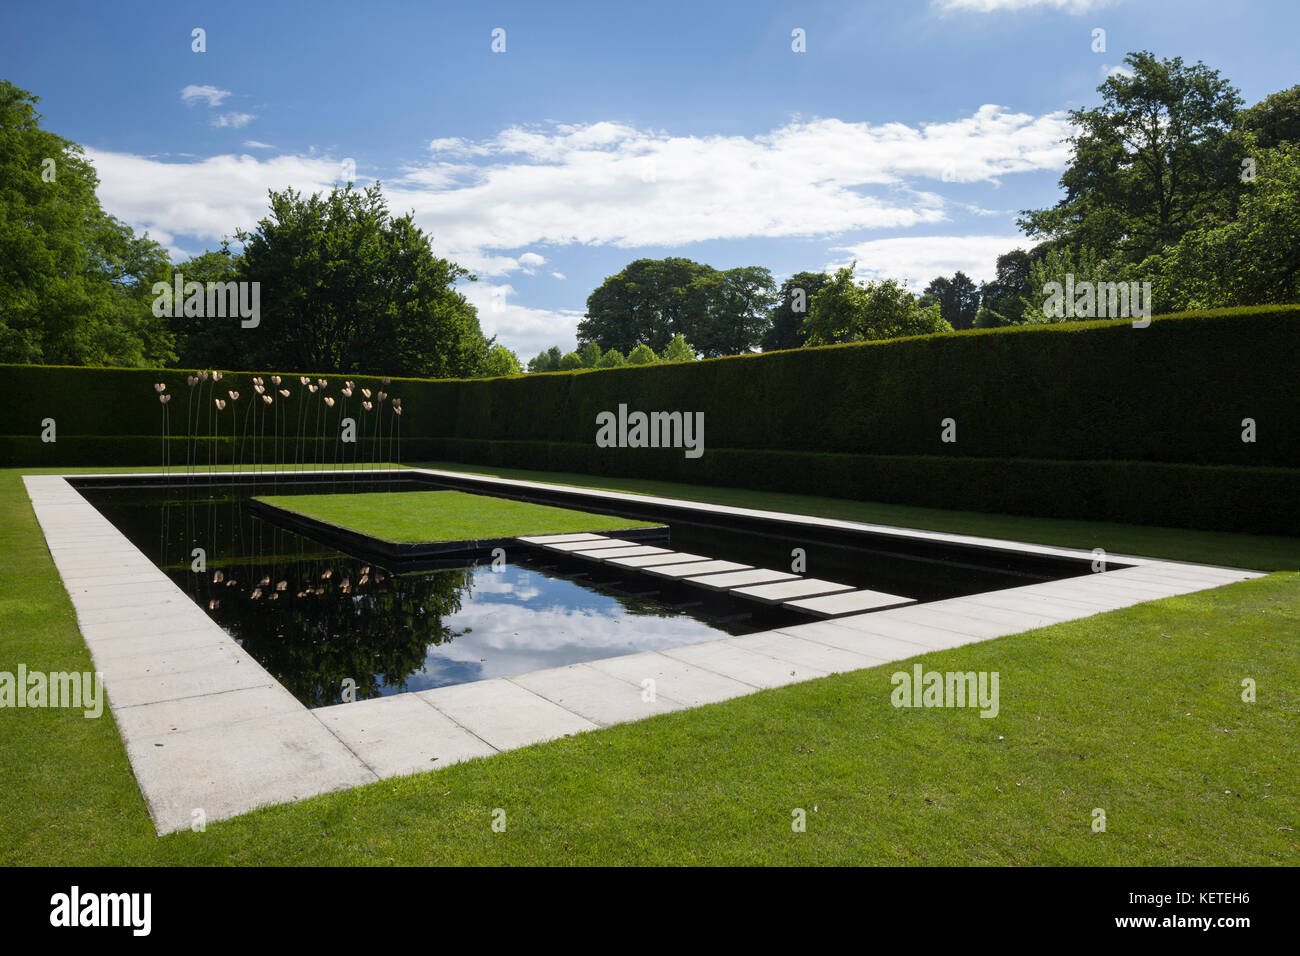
(1172, 182)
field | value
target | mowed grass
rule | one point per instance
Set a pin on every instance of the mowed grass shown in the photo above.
(1138, 712)
(432, 516)
(1259, 552)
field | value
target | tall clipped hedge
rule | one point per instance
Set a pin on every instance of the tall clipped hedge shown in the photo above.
(1067, 420)
(1175, 391)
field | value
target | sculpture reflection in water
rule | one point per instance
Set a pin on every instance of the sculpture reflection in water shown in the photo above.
(324, 624)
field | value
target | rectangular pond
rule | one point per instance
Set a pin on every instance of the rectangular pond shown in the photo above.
(328, 621)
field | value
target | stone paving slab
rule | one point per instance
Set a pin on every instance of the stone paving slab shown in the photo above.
(504, 714)
(848, 602)
(741, 664)
(591, 549)
(600, 697)
(655, 560)
(210, 710)
(834, 634)
(683, 682)
(1067, 610)
(184, 620)
(789, 590)
(692, 569)
(1094, 602)
(586, 544)
(231, 769)
(632, 551)
(926, 636)
(972, 627)
(149, 689)
(735, 579)
(401, 734)
(1022, 620)
(133, 645)
(557, 538)
(804, 653)
(155, 662)
(166, 606)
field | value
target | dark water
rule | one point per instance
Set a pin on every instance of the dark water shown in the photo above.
(313, 616)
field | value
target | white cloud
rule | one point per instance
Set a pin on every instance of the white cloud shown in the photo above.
(612, 184)
(998, 6)
(208, 199)
(254, 144)
(1117, 70)
(191, 95)
(236, 120)
(558, 275)
(525, 330)
(918, 259)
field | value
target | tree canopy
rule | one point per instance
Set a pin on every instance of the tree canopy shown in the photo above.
(1153, 161)
(848, 311)
(345, 285)
(75, 283)
(652, 300)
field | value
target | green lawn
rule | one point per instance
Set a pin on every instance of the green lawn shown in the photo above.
(1137, 712)
(432, 516)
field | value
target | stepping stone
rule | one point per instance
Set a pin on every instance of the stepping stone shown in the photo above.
(608, 554)
(653, 560)
(595, 541)
(557, 538)
(849, 602)
(789, 590)
(695, 568)
(735, 579)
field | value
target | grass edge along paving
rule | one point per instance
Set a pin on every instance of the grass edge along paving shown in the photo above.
(1137, 712)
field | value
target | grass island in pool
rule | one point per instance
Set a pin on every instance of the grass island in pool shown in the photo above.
(424, 517)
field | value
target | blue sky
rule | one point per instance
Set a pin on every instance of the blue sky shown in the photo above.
(907, 136)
